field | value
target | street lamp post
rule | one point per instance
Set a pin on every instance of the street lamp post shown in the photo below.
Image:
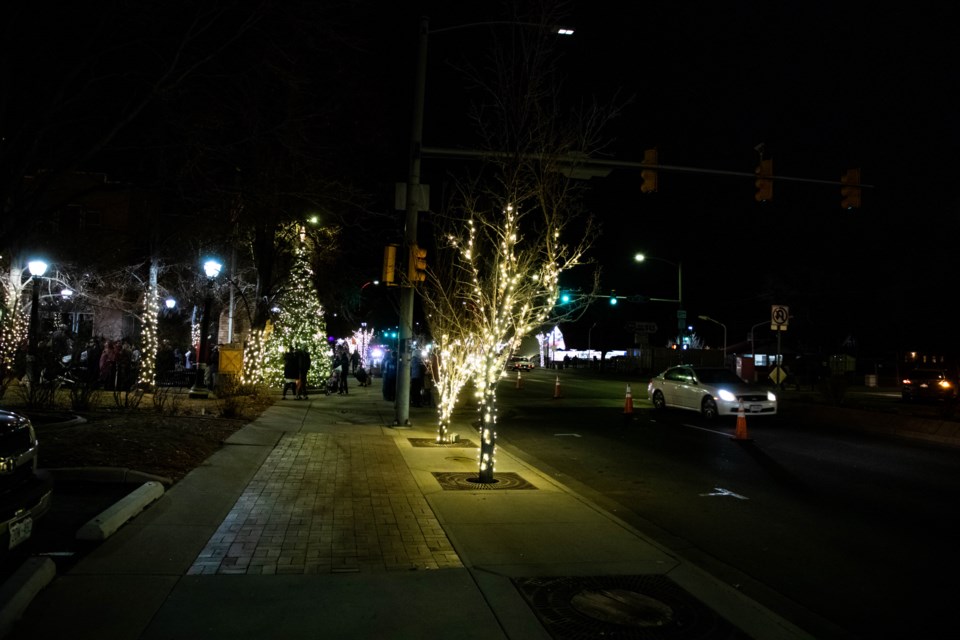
(681, 314)
(36, 268)
(364, 286)
(709, 319)
(199, 390)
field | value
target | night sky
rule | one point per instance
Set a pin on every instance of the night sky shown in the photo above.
(824, 87)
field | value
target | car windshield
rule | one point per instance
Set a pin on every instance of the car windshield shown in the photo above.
(717, 376)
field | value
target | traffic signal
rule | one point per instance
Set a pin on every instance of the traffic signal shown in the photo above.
(564, 297)
(764, 181)
(850, 191)
(417, 265)
(613, 298)
(389, 265)
(649, 174)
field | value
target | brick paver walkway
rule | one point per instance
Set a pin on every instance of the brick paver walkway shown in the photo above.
(325, 503)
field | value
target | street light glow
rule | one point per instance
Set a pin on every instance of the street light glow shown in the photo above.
(212, 268)
(37, 267)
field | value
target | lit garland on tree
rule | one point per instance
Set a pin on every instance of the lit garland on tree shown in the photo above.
(362, 339)
(13, 328)
(151, 313)
(253, 358)
(299, 323)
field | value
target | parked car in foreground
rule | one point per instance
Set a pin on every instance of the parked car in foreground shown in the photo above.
(25, 493)
(711, 391)
(928, 384)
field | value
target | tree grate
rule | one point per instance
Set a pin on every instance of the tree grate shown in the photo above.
(432, 442)
(469, 480)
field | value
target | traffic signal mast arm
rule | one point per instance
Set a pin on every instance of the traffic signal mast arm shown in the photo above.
(439, 152)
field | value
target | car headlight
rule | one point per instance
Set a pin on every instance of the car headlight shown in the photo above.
(945, 384)
(726, 396)
(771, 396)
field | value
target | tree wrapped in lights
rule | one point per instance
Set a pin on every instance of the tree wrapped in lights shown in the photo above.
(149, 332)
(362, 338)
(299, 322)
(508, 280)
(513, 227)
(13, 325)
(456, 344)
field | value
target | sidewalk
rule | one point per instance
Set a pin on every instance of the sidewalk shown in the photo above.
(319, 519)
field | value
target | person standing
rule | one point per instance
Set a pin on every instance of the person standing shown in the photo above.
(291, 372)
(344, 371)
(416, 380)
(390, 376)
(303, 367)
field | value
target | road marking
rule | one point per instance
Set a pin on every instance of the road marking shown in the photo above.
(572, 435)
(719, 491)
(719, 433)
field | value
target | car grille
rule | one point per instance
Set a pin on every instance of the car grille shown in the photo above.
(755, 397)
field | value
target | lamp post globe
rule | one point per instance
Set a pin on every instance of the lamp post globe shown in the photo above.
(36, 268)
(199, 390)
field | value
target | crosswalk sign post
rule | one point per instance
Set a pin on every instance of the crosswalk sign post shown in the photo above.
(779, 318)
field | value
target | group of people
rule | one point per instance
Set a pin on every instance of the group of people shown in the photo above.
(422, 384)
(113, 364)
(345, 364)
(296, 365)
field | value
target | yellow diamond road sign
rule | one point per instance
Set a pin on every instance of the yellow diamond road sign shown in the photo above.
(777, 375)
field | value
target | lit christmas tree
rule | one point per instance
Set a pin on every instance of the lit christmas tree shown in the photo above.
(299, 323)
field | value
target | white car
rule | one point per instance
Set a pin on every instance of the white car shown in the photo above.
(711, 391)
(521, 363)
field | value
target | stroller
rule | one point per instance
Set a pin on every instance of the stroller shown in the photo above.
(332, 384)
(362, 377)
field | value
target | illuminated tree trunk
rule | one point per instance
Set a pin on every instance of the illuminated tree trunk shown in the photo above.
(488, 435)
(151, 314)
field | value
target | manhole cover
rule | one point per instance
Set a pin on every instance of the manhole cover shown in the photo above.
(454, 480)
(431, 442)
(639, 607)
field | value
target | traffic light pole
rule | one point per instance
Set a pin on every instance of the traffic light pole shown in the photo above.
(402, 400)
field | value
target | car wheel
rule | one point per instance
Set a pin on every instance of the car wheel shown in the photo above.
(709, 408)
(658, 401)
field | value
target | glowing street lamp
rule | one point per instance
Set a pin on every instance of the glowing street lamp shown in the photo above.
(199, 390)
(364, 286)
(36, 268)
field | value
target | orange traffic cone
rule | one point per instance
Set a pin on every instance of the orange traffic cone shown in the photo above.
(519, 380)
(556, 388)
(741, 433)
(628, 405)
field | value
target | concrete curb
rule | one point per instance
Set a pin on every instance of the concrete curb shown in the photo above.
(18, 591)
(107, 523)
(119, 475)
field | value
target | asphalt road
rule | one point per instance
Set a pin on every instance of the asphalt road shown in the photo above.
(845, 534)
